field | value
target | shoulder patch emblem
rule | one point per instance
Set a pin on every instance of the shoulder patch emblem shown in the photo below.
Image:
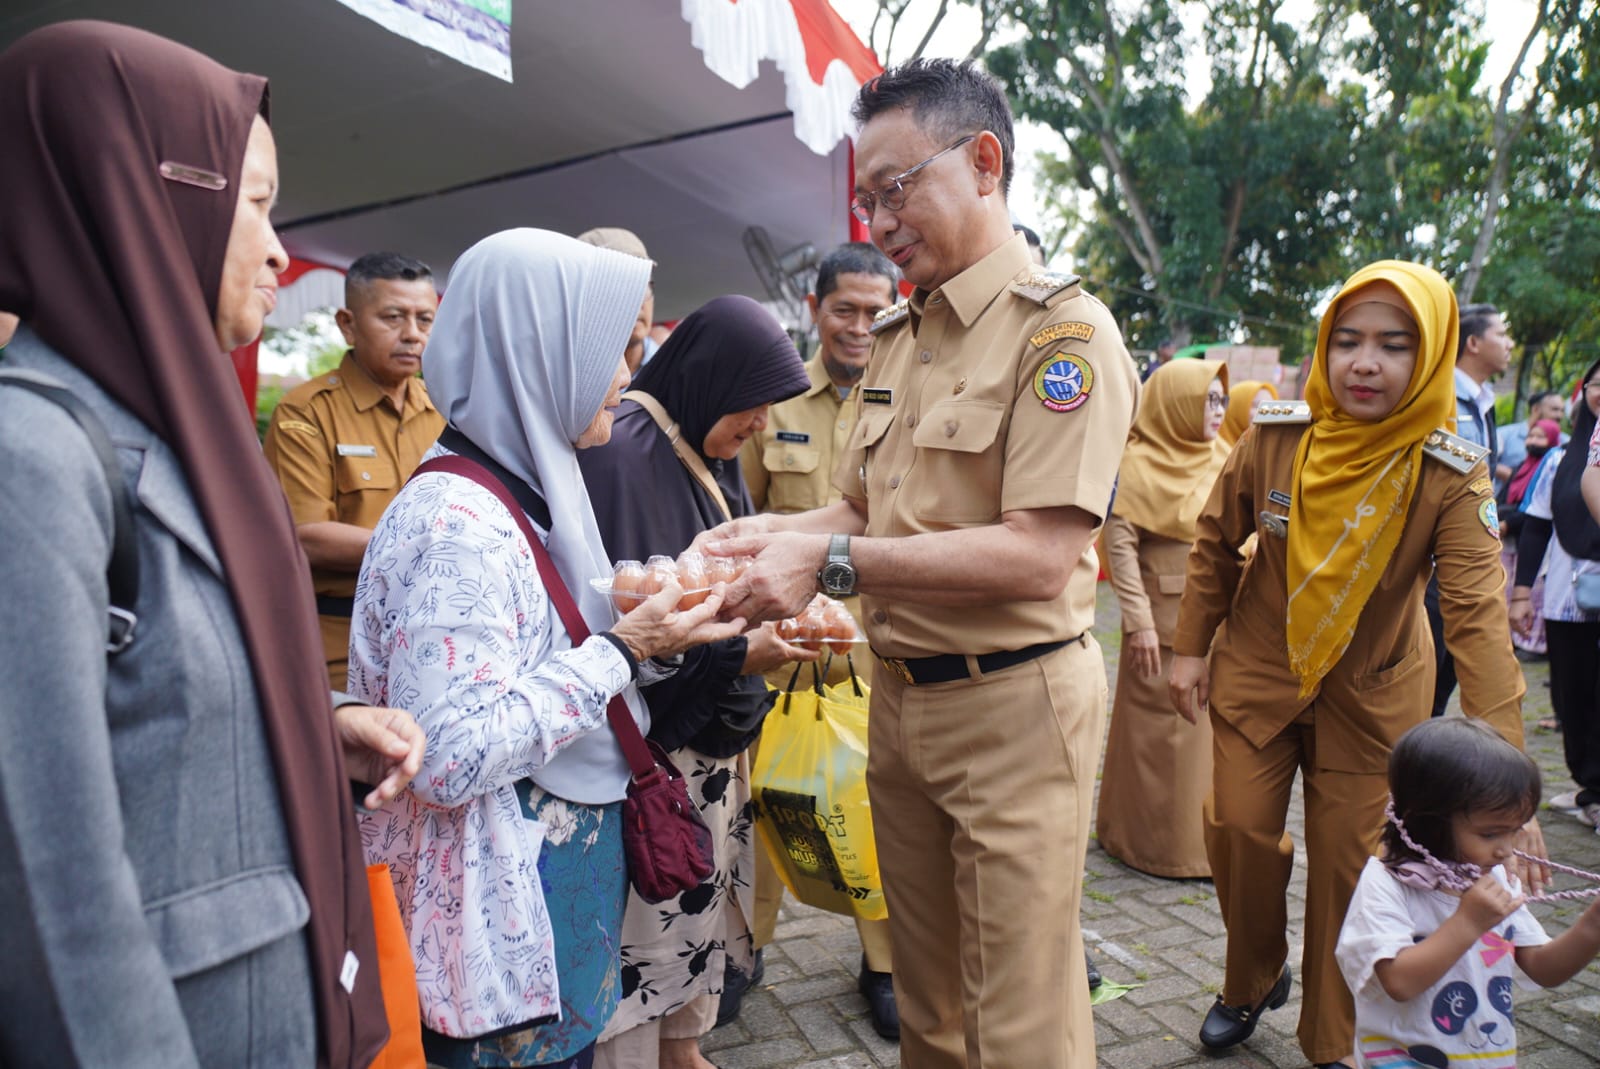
(1481, 486)
(1040, 287)
(1057, 331)
(890, 316)
(1489, 516)
(1283, 412)
(1455, 452)
(1063, 381)
(298, 425)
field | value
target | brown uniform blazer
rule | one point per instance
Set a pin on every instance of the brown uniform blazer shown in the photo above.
(1384, 682)
(1147, 573)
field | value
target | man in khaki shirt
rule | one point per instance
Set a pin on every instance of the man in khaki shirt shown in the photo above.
(344, 443)
(991, 423)
(789, 468)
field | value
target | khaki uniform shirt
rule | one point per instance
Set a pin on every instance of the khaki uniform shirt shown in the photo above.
(789, 466)
(1003, 390)
(342, 452)
(1383, 684)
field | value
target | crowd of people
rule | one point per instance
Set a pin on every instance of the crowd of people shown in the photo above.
(244, 674)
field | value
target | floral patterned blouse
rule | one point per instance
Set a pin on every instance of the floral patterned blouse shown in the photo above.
(452, 623)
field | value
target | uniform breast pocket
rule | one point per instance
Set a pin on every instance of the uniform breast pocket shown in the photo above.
(959, 462)
(356, 474)
(792, 471)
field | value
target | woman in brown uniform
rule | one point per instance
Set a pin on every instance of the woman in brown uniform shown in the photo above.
(1322, 656)
(1158, 770)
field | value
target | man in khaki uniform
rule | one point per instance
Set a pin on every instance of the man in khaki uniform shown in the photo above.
(344, 443)
(991, 422)
(789, 468)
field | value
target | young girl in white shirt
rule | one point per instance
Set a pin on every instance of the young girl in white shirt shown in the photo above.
(1438, 929)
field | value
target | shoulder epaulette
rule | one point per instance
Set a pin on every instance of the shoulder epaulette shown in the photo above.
(890, 316)
(1040, 287)
(1282, 412)
(1454, 451)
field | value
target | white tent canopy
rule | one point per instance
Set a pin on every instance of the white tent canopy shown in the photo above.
(613, 119)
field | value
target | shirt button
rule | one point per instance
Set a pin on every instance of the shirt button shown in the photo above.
(936, 299)
(894, 482)
(788, 462)
(911, 421)
(366, 475)
(950, 429)
(880, 617)
(926, 356)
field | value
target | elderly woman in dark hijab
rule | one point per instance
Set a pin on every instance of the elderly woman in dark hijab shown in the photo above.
(177, 844)
(670, 472)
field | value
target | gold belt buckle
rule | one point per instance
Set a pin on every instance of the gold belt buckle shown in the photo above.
(899, 668)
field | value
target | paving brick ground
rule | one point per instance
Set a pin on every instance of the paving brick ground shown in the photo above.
(1164, 935)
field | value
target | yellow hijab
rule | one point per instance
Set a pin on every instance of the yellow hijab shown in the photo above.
(1353, 480)
(1237, 421)
(1169, 466)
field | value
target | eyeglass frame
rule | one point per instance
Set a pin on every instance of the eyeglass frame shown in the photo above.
(865, 205)
(1217, 401)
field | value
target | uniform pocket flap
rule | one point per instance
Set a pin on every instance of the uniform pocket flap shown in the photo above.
(783, 457)
(965, 426)
(1169, 584)
(870, 427)
(365, 473)
(217, 922)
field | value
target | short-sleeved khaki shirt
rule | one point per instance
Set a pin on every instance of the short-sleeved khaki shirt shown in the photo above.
(1003, 390)
(342, 452)
(789, 466)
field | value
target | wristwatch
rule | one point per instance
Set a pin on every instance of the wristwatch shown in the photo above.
(837, 577)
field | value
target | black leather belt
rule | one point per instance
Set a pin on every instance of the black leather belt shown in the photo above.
(920, 671)
(328, 605)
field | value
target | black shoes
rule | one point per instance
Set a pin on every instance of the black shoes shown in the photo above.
(878, 989)
(734, 984)
(1095, 979)
(1227, 1026)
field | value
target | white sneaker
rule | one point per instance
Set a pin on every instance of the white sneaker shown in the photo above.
(1590, 815)
(1567, 800)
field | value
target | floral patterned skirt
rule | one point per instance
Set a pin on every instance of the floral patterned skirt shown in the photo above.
(585, 881)
(675, 951)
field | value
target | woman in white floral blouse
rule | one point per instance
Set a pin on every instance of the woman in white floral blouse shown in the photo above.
(506, 850)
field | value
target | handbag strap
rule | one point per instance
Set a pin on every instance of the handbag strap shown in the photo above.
(640, 762)
(688, 456)
(122, 571)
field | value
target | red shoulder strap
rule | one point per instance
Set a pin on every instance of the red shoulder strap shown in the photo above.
(627, 732)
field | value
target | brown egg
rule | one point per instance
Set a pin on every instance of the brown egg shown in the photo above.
(841, 627)
(657, 571)
(692, 577)
(789, 630)
(813, 629)
(721, 570)
(625, 580)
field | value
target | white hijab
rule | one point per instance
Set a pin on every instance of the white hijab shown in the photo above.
(524, 348)
(527, 340)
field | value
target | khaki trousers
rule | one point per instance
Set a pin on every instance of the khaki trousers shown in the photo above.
(1251, 858)
(640, 1047)
(981, 793)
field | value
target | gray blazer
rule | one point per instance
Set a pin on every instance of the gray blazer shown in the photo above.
(153, 916)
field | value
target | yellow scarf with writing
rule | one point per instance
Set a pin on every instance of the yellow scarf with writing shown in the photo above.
(1353, 479)
(1169, 465)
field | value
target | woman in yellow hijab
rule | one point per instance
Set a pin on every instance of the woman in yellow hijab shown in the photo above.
(1158, 769)
(1320, 652)
(1243, 400)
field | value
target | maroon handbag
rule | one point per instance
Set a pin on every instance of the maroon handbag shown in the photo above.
(665, 840)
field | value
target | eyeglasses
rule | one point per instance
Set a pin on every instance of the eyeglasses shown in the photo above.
(893, 193)
(1591, 386)
(1217, 401)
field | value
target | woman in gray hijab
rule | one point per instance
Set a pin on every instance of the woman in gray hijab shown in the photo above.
(507, 849)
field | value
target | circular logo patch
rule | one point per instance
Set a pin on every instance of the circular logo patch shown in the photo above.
(1063, 382)
(1489, 516)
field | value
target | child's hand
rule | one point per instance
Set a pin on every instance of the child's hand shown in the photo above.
(1487, 903)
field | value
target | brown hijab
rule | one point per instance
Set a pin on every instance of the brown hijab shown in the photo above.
(118, 269)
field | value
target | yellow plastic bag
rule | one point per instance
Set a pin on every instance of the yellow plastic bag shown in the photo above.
(810, 788)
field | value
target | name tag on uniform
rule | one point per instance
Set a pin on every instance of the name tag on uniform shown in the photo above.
(877, 395)
(798, 437)
(356, 450)
(1278, 497)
